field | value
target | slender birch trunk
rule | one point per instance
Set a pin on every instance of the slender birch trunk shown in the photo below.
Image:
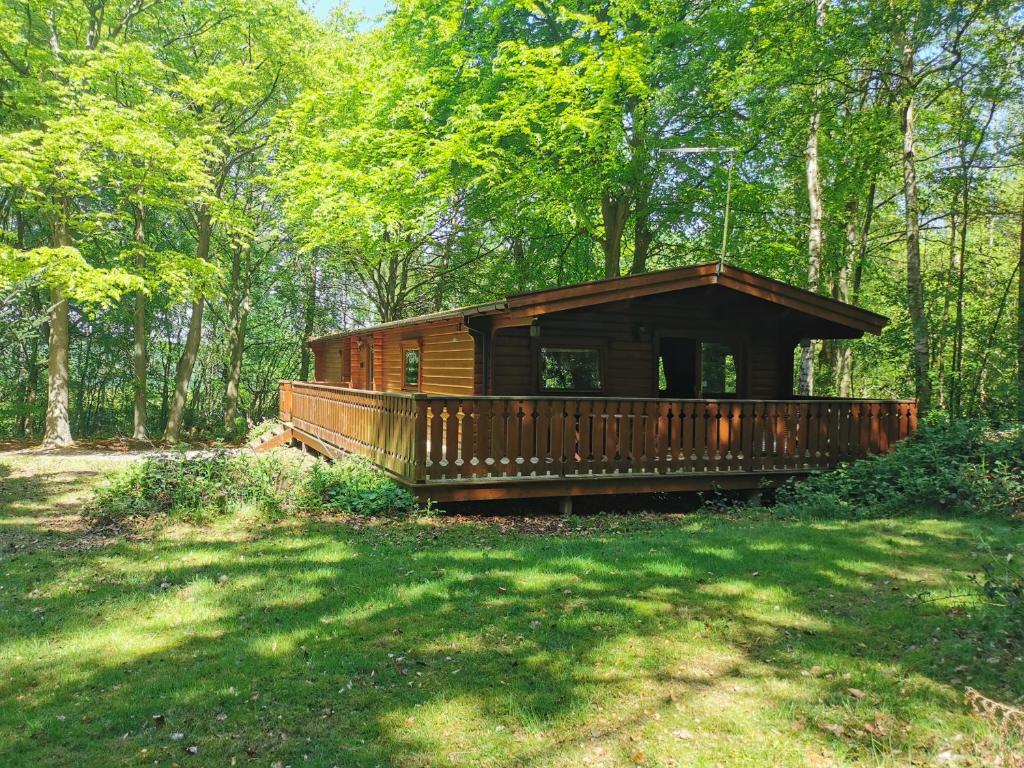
(915, 285)
(842, 354)
(238, 314)
(187, 361)
(815, 237)
(956, 383)
(309, 311)
(1020, 318)
(140, 357)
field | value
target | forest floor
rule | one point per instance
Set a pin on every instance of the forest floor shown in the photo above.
(707, 640)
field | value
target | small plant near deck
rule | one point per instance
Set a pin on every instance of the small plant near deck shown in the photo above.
(354, 485)
(960, 467)
(194, 486)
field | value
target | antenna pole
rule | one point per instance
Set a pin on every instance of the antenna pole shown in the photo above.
(728, 208)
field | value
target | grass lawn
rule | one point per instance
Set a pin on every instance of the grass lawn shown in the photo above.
(685, 640)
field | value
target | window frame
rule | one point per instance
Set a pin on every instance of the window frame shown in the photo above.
(412, 346)
(733, 352)
(601, 373)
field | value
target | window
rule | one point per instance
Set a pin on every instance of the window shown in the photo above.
(411, 362)
(717, 369)
(570, 369)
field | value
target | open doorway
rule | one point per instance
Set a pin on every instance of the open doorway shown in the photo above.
(677, 367)
(695, 368)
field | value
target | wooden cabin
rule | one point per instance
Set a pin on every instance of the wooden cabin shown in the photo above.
(674, 380)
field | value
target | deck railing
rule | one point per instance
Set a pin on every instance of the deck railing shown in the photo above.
(429, 439)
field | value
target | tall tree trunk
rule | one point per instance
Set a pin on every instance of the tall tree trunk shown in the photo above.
(58, 422)
(862, 251)
(939, 350)
(1020, 318)
(309, 312)
(842, 354)
(139, 352)
(238, 313)
(614, 211)
(915, 284)
(187, 361)
(956, 383)
(815, 238)
(642, 238)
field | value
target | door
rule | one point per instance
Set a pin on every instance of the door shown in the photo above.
(677, 366)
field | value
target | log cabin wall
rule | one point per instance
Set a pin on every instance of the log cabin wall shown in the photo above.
(628, 335)
(448, 364)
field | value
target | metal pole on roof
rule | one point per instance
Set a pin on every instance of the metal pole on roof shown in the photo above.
(728, 188)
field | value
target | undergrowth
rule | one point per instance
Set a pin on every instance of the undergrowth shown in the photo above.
(961, 467)
(197, 486)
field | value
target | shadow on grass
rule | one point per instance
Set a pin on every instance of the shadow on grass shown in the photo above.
(414, 645)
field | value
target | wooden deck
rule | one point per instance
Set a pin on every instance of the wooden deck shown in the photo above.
(463, 448)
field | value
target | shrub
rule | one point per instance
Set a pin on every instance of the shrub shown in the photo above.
(354, 485)
(194, 485)
(949, 466)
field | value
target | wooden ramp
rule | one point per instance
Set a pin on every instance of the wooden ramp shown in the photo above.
(280, 435)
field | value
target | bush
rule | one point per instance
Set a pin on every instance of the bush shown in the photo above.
(354, 485)
(194, 486)
(960, 467)
(201, 485)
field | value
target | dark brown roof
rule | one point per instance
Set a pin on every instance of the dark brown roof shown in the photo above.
(536, 303)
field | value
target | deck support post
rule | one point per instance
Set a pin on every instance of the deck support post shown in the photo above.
(565, 506)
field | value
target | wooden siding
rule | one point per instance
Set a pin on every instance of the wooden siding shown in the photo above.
(447, 359)
(628, 333)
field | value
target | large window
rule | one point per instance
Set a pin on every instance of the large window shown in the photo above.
(717, 369)
(570, 369)
(411, 372)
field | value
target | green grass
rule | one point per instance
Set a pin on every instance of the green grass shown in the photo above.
(695, 640)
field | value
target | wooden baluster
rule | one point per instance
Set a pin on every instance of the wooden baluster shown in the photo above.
(875, 438)
(528, 444)
(812, 417)
(662, 444)
(556, 436)
(481, 450)
(687, 436)
(585, 447)
(746, 458)
(652, 419)
(736, 460)
(549, 446)
(435, 451)
(700, 433)
(467, 439)
(606, 439)
(570, 438)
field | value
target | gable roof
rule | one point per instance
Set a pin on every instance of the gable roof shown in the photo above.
(538, 303)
